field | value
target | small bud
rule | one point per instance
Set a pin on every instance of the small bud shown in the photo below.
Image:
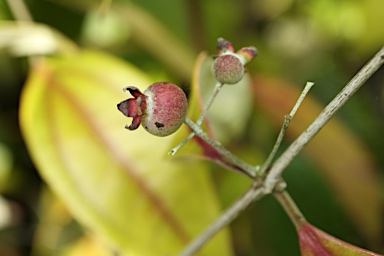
(161, 109)
(228, 69)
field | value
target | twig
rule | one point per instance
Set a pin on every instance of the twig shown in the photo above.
(290, 208)
(273, 176)
(356, 82)
(199, 119)
(287, 120)
(224, 219)
(304, 93)
(245, 168)
(254, 191)
(209, 103)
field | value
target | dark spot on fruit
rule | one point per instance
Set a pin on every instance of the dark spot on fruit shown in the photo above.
(159, 125)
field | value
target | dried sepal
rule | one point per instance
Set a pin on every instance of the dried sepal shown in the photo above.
(224, 46)
(247, 53)
(161, 109)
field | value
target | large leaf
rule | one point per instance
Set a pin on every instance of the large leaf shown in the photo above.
(118, 183)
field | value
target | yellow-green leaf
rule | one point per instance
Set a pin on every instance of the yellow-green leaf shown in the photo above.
(118, 183)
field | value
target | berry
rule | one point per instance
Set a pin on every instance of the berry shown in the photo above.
(228, 69)
(161, 109)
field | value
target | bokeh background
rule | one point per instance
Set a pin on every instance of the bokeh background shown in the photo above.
(322, 41)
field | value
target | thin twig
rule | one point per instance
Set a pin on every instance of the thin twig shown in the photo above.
(251, 194)
(290, 208)
(287, 120)
(224, 219)
(245, 168)
(273, 176)
(199, 119)
(304, 93)
(181, 144)
(209, 103)
(356, 82)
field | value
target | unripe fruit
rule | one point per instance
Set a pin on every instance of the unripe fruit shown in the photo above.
(228, 69)
(161, 109)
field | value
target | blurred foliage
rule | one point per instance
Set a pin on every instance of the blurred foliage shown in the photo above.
(114, 182)
(337, 181)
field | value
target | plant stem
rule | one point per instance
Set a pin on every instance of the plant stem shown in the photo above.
(209, 103)
(304, 93)
(353, 85)
(287, 120)
(259, 189)
(199, 119)
(253, 192)
(224, 219)
(244, 168)
(290, 208)
(181, 144)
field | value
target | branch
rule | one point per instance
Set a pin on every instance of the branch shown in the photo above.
(200, 119)
(290, 208)
(258, 190)
(287, 120)
(255, 191)
(293, 150)
(243, 167)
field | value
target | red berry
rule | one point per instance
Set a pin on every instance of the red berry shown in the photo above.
(161, 109)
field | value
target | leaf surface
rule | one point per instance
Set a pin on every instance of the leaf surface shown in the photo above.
(118, 183)
(315, 242)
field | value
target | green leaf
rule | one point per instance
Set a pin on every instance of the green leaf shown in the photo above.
(315, 242)
(118, 183)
